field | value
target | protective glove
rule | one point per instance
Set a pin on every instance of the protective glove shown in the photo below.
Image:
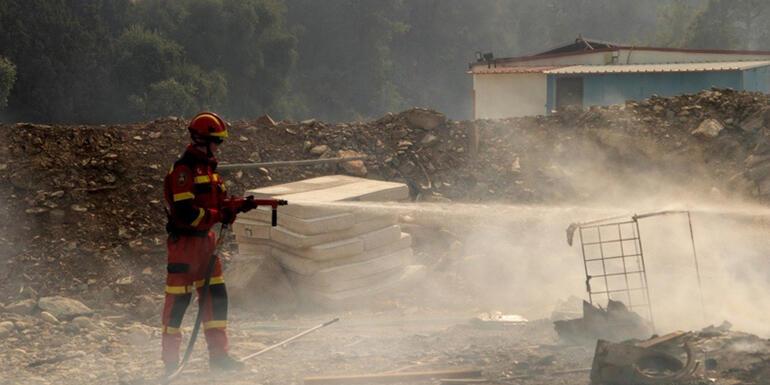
(248, 204)
(228, 215)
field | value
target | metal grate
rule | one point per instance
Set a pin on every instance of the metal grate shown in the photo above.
(614, 265)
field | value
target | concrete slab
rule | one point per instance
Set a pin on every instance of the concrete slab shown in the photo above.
(363, 190)
(320, 225)
(381, 237)
(307, 210)
(307, 266)
(304, 196)
(249, 228)
(251, 251)
(334, 250)
(295, 240)
(306, 185)
(328, 276)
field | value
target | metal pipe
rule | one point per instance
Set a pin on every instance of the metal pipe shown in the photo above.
(286, 341)
(288, 163)
(697, 268)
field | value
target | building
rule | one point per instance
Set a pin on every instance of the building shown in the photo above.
(589, 72)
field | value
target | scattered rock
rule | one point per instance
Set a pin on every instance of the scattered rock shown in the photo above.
(319, 150)
(63, 308)
(265, 121)
(423, 118)
(353, 167)
(79, 208)
(429, 139)
(753, 123)
(709, 128)
(82, 322)
(23, 307)
(516, 165)
(138, 335)
(48, 317)
(6, 328)
(146, 306)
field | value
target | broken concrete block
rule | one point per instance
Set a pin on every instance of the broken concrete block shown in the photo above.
(295, 240)
(249, 228)
(253, 250)
(360, 269)
(381, 237)
(333, 250)
(306, 266)
(302, 186)
(318, 225)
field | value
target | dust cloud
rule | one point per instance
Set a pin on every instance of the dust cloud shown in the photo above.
(515, 258)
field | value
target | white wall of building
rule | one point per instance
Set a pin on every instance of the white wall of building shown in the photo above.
(509, 95)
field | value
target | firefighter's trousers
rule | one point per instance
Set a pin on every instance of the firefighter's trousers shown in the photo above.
(188, 259)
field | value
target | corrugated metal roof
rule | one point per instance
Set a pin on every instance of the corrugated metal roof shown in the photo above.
(670, 67)
(513, 70)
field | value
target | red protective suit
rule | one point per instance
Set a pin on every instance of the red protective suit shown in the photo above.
(195, 195)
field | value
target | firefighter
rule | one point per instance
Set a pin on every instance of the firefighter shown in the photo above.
(196, 196)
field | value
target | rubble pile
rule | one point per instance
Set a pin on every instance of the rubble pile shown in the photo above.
(82, 241)
(84, 204)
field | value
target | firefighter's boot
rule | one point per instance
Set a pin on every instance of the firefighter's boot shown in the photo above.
(224, 362)
(171, 367)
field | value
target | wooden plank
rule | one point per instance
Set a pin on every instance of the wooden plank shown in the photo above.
(392, 377)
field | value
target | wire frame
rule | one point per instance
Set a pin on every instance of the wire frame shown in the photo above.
(614, 265)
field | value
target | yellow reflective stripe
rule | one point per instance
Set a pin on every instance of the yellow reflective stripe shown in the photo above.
(214, 281)
(222, 134)
(201, 214)
(178, 289)
(202, 179)
(216, 177)
(214, 324)
(171, 330)
(183, 196)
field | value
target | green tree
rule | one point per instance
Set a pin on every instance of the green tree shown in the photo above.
(674, 21)
(245, 41)
(61, 49)
(169, 97)
(151, 69)
(346, 69)
(143, 57)
(7, 78)
(733, 24)
(712, 27)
